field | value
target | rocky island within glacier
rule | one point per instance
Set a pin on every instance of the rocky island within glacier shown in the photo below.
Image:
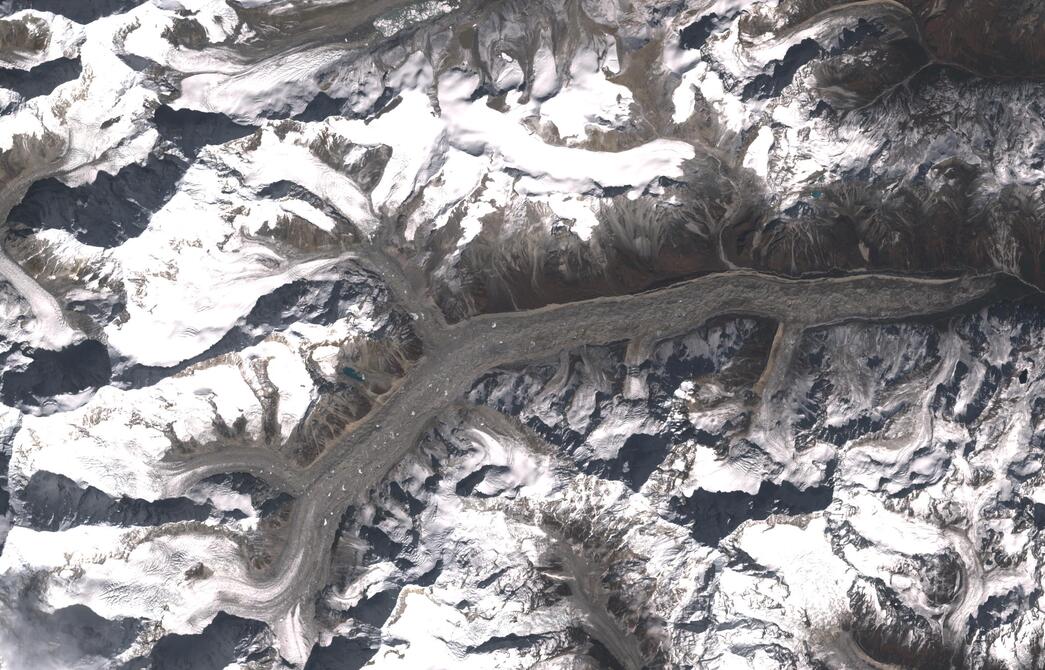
(522, 334)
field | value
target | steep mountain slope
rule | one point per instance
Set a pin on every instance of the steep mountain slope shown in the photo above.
(521, 334)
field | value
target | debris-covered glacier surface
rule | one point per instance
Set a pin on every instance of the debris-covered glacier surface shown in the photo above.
(558, 334)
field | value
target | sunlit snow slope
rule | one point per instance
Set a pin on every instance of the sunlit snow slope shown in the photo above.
(543, 334)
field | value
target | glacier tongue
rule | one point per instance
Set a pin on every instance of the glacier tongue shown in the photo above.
(543, 334)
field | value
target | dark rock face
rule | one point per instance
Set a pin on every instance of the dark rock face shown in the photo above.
(73, 636)
(890, 632)
(312, 302)
(5, 494)
(225, 640)
(105, 213)
(636, 461)
(94, 635)
(770, 85)
(191, 130)
(115, 208)
(729, 352)
(320, 302)
(81, 12)
(852, 37)
(942, 575)
(576, 508)
(376, 609)
(267, 500)
(695, 34)
(42, 79)
(991, 37)
(76, 368)
(532, 266)
(288, 189)
(53, 502)
(323, 106)
(713, 516)
(342, 654)
(466, 486)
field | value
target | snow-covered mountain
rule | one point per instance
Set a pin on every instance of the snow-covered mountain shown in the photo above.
(521, 334)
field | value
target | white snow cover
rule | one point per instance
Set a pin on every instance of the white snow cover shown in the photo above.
(49, 328)
(245, 94)
(393, 22)
(126, 572)
(63, 38)
(757, 156)
(117, 441)
(589, 99)
(928, 484)
(478, 129)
